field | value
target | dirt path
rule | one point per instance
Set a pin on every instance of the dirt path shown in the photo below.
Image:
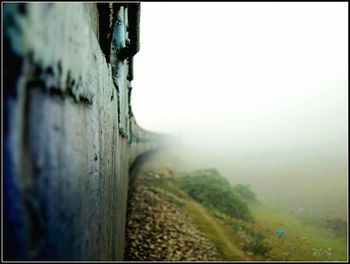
(214, 230)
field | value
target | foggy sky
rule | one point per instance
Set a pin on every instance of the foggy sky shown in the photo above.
(245, 77)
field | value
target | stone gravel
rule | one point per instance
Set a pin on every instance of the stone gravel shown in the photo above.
(157, 229)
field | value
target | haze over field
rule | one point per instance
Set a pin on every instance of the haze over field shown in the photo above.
(257, 90)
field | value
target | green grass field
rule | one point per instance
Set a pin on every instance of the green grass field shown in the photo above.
(302, 241)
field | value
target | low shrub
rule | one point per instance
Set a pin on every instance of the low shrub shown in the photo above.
(215, 192)
(255, 242)
(245, 192)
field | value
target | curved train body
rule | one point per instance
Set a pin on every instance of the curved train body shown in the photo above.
(69, 132)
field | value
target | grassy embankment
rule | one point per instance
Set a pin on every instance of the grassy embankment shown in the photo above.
(243, 228)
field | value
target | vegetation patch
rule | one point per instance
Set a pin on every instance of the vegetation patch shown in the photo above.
(245, 192)
(337, 226)
(215, 192)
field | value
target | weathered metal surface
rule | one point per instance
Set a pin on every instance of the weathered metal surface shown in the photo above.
(69, 133)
